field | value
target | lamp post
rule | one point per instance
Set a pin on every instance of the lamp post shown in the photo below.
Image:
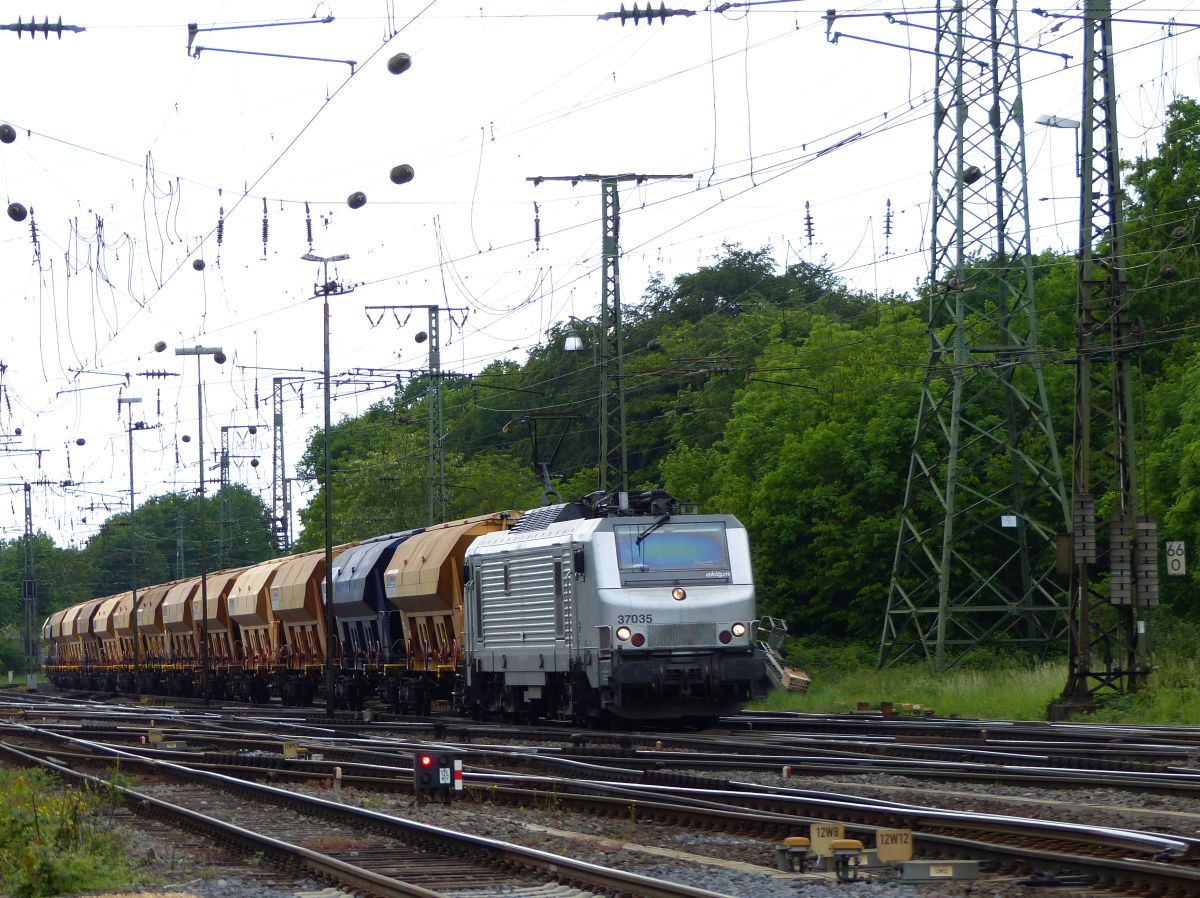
(326, 289)
(219, 358)
(572, 342)
(130, 401)
(1068, 124)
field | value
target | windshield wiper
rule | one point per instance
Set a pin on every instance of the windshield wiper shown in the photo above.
(652, 528)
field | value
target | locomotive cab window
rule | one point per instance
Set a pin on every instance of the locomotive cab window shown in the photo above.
(693, 549)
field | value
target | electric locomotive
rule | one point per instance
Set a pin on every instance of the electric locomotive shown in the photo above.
(632, 610)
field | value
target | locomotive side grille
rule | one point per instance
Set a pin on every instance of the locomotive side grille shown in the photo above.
(675, 636)
(519, 601)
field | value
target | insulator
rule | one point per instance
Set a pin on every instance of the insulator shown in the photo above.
(7, 133)
(356, 200)
(221, 227)
(308, 225)
(33, 226)
(264, 227)
(808, 223)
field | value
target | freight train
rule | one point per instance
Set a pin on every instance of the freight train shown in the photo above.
(584, 611)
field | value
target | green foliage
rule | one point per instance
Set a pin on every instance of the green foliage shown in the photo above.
(386, 491)
(48, 845)
(11, 655)
(811, 461)
(829, 659)
(843, 673)
(160, 522)
(840, 686)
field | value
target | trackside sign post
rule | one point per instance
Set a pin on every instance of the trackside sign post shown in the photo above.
(1176, 559)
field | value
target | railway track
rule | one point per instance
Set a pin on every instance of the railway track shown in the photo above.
(338, 746)
(635, 776)
(355, 848)
(1111, 858)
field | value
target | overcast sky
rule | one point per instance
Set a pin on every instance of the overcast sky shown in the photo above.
(128, 148)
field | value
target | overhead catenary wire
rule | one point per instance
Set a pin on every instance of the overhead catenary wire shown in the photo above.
(449, 268)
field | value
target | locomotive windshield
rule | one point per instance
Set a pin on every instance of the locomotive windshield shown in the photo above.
(671, 548)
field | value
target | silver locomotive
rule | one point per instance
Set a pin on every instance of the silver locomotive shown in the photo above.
(633, 610)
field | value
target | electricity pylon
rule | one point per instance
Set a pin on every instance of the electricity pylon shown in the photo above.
(984, 499)
(1104, 612)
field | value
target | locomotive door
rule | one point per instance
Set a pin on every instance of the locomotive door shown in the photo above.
(564, 612)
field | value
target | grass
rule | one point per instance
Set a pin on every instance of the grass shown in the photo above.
(1020, 694)
(1172, 698)
(841, 680)
(49, 844)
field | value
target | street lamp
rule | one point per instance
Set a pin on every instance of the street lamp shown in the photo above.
(219, 358)
(572, 342)
(1070, 124)
(130, 401)
(326, 289)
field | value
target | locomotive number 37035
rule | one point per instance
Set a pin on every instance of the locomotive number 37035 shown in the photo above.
(635, 618)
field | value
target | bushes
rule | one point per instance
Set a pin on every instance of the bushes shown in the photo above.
(48, 845)
(816, 654)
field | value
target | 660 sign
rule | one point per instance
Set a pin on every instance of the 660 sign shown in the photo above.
(1176, 560)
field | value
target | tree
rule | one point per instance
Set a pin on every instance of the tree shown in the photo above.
(812, 462)
(1162, 230)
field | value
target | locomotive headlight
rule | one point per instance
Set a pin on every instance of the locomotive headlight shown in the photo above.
(623, 633)
(738, 629)
(679, 593)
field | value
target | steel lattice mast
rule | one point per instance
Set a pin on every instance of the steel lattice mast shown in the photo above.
(1104, 615)
(984, 498)
(436, 475)
(612, 452)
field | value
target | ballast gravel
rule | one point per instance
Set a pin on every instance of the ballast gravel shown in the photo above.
(737, 866)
